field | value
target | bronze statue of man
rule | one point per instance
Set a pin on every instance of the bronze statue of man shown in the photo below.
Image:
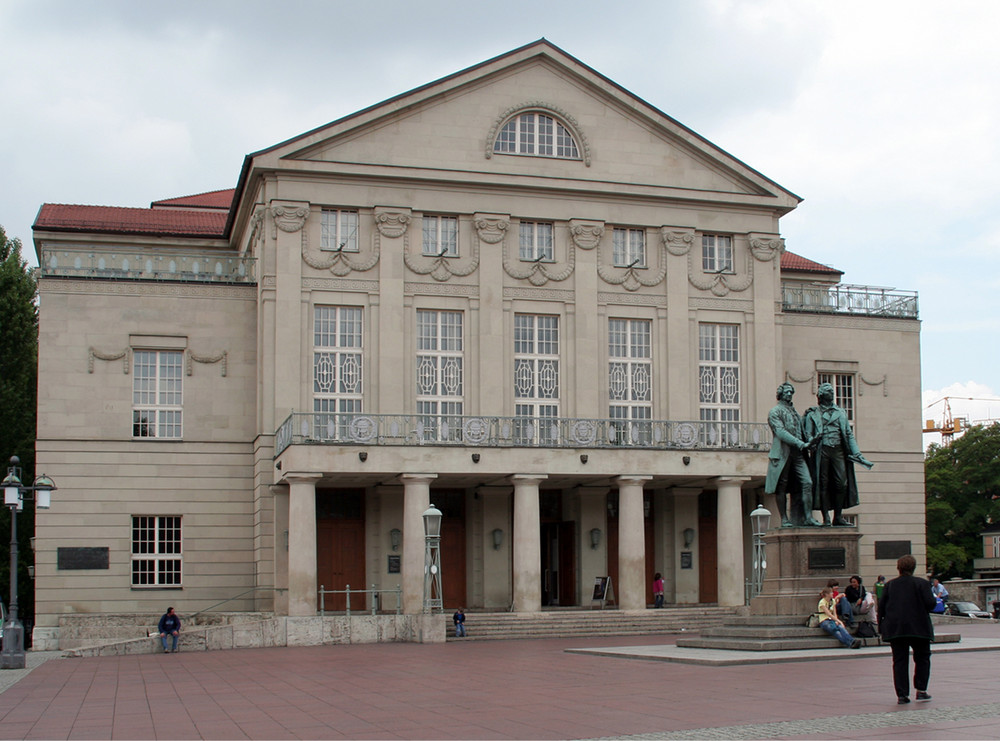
(832, 463)
(787, 469)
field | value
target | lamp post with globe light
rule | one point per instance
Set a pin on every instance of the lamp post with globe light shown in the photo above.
(14, 495)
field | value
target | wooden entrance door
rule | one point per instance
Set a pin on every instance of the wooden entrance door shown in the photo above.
(451, 502)
(340, 561)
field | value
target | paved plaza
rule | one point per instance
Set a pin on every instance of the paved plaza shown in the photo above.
(530, 689)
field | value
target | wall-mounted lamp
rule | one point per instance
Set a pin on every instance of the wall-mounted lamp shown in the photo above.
(278, 465)
(475, 457)
(395, 537)
(363, 456)
(686, 460)
(688, 536)
(497, 538)
(583, 458)
(595, 538)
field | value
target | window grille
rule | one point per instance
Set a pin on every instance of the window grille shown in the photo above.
(536, 375)
(440, 236)
(440, 373)
(628, 247)
(156, 551)
(337, 369)
(535, 241)
(719, 382)
(716, 254)
(537, 134)
(157, 393)
(630, 389)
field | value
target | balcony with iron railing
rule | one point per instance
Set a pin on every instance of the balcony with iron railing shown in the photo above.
(138, 264)
(836, 298)
(323, 428)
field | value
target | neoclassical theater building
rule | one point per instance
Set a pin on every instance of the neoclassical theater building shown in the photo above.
(519, 293)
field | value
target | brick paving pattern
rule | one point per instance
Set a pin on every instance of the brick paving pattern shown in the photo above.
(524, 689)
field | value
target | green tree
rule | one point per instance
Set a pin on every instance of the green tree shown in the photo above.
(18, 396)
(963, 497)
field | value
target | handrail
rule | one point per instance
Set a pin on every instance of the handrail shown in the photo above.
(230, 599)
(334, 428)
(374, 591)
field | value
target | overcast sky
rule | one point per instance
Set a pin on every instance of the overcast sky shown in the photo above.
(884, 116)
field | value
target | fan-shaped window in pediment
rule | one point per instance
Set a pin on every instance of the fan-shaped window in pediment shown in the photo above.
(536, 133)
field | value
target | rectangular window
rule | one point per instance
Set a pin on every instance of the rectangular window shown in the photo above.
(719, 383)
(629, 247)
(536, 376)
(716, 254)
(630, 389)
(440, 374)
(536, 241)
(441, 236)
(339, 231)
(156, 551)
(996, 547)
(843, 390)
(157, 393)
(337, 370)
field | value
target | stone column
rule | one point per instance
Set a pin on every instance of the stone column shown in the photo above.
(631, 544)
(416, 500)
(527, 546)
(282, 547)
(730, 540)
(302, 543)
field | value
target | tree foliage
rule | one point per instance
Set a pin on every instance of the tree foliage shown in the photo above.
(18, 396)
(963, 497)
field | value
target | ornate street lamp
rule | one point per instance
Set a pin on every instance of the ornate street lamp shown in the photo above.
(432, 560)
(760, 518)
(14, 494)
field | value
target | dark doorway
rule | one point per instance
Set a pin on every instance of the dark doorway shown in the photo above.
(340, 546)
(451, 502)
(708, 536)
(558, 540)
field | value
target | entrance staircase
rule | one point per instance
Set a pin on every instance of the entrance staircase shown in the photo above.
(774, 633)
(579, 623)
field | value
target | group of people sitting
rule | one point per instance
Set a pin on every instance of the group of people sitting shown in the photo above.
(853, 609)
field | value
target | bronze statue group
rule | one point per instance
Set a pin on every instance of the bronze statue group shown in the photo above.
(812, 463)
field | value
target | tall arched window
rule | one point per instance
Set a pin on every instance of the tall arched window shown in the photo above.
(536, 133)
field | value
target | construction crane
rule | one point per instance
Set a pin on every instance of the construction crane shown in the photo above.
(949, 425)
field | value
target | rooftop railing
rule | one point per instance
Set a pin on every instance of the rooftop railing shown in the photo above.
(826, 298)
(303, 428)
(138, 264)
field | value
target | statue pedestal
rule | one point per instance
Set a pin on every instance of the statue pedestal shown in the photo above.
(800, 560)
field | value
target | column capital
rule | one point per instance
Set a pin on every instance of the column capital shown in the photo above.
(731, 480)
(630, 478)
(300, 477)
(527, 478)
(417, 478)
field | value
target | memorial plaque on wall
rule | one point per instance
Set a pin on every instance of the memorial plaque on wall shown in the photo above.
(686, 560)
(890, 550)
(78, 559)
(827, 558)
(394, 564)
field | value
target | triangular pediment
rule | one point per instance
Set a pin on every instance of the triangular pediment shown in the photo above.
(449, 126)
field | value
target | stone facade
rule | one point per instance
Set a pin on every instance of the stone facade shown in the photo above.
(592, 455)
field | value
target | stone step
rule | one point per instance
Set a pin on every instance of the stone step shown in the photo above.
(581, 623)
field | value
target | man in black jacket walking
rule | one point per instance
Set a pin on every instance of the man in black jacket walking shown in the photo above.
(904, 620)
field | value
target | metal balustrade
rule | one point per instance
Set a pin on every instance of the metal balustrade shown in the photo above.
(324, 428)
(376, 602)
(836, 298)
(137, 264)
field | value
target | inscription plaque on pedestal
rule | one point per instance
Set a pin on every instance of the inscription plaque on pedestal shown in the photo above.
(827, 558)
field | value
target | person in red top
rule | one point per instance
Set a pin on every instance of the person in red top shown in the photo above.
(657, 590)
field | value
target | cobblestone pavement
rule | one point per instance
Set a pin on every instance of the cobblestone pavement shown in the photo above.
(493, 690)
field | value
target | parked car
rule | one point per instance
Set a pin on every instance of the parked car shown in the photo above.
(966, 609)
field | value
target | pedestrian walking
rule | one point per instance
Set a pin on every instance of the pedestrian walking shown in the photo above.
(904, 621)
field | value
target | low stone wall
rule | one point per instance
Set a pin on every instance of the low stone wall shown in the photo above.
(80, 630)
(285, 631)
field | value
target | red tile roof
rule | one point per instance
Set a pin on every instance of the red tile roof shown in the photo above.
(116, 220)
(212, 199)
(796, 263)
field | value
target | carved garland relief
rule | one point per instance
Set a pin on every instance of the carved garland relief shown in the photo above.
(442, 267)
